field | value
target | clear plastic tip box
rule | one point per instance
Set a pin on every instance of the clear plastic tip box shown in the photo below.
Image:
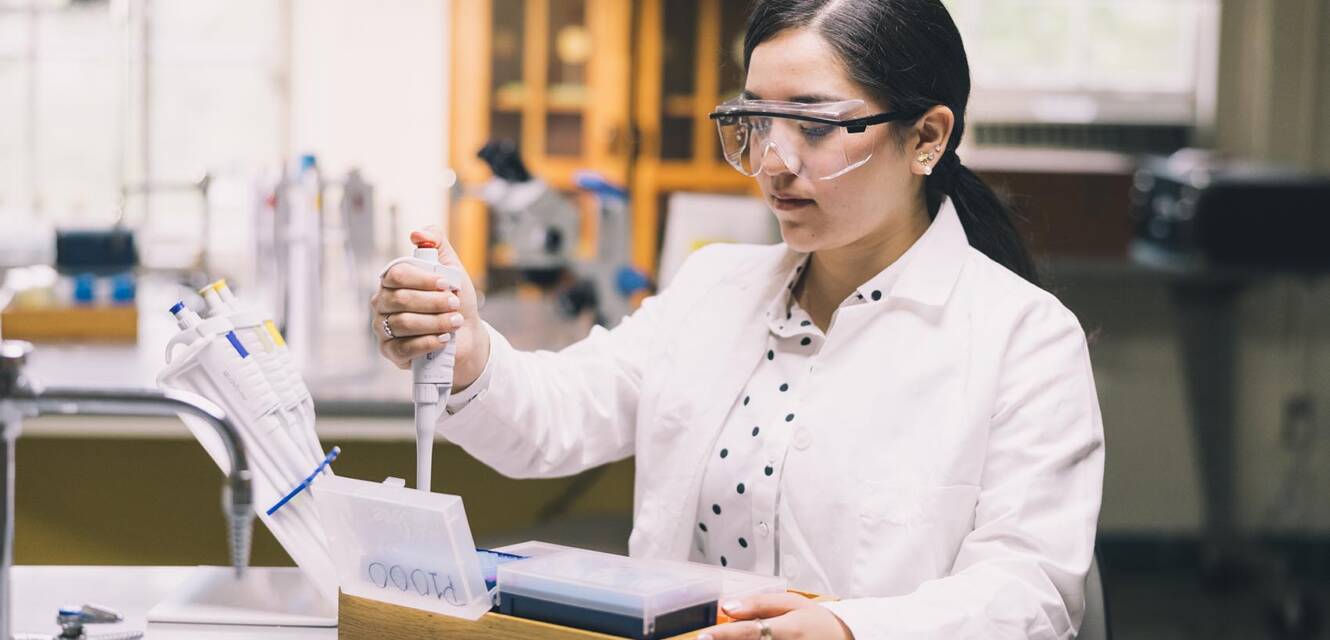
(627, 597)
(402, 546)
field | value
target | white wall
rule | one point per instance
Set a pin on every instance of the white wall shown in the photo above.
(366, 88)
(369, 86)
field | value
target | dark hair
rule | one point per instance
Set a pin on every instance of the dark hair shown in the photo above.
(909, 55)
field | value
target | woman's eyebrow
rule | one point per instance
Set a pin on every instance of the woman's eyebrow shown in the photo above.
(814, 98)
(811, 98)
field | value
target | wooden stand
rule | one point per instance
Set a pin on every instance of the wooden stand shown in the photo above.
(73, 324)
(361, 619)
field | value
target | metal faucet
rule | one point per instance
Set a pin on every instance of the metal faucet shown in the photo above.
(21, 398)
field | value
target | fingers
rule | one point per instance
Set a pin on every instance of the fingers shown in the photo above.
(416, 310)
(406, 325)
(389, 301)
(406, 276)
(436, 235)
(768, 605)
(402, 350)
(807, 621)
(745, 630)
(431, 233)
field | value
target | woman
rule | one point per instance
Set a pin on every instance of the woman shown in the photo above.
(885, 408)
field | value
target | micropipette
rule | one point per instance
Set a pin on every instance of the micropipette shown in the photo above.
(208, 358)
(432, 373)
(262, 340)
(246, 388)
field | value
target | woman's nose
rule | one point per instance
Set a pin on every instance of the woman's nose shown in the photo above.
(774, 162)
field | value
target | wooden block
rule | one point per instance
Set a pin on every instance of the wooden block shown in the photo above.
(362, 619)
(57, 324)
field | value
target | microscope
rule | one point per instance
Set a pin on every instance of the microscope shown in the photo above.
(536, 230)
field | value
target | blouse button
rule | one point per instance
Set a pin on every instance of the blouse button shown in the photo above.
(802, 438)
(763, 529)
(791, 566)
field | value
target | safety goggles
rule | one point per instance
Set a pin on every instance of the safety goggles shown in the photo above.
(818, 141)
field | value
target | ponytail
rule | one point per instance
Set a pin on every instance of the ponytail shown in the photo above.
(987, 218)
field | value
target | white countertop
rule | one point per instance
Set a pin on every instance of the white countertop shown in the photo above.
(40, 590)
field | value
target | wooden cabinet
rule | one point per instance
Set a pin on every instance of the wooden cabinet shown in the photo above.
(621, 87)
(550, 75)
(690, 58)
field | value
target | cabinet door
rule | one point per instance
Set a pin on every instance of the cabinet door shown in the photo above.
(690, 58)
(558, 82)
(552, 76)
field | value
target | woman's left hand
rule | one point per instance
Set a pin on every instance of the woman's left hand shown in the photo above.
(789, 616)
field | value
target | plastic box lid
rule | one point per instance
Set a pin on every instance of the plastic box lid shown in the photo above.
(533, 548)
(735, 583)
(402, 546)
(741, 584)
(614, 584)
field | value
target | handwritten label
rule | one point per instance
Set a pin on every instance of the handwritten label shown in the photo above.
(395, 576)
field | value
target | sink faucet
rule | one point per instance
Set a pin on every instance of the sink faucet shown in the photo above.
(21, 398)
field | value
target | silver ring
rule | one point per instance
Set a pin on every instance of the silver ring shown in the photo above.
(764, 631)
(387, 330)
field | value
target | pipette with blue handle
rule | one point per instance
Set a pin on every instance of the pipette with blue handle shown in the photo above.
(432, 373)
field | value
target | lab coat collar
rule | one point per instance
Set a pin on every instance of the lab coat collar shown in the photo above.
(874, 291)
(934, 262)
(928, 269)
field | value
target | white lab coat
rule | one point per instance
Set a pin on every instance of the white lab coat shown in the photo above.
(952, 484)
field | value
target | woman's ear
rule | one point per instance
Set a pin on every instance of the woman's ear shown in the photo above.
(933, 132)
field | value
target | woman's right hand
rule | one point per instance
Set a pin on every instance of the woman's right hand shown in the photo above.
(421, 310)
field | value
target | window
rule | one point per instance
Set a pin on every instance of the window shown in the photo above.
(1101, 62)
(72, 106)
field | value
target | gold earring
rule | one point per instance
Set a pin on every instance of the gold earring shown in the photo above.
(926, 159)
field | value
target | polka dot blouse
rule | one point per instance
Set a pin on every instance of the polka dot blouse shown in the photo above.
(736, 516)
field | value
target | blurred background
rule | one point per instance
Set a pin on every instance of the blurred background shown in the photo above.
(1170, 159)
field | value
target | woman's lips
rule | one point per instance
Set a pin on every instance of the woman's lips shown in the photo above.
(789, 203)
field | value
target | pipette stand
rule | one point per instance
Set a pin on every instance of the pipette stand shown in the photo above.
(275, 596)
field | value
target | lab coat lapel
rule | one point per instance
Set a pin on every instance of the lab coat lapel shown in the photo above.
(735, 335)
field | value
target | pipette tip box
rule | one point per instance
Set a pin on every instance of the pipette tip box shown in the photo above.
(627, 597)
(364, 619)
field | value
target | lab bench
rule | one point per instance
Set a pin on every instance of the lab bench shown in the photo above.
(39, 591)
